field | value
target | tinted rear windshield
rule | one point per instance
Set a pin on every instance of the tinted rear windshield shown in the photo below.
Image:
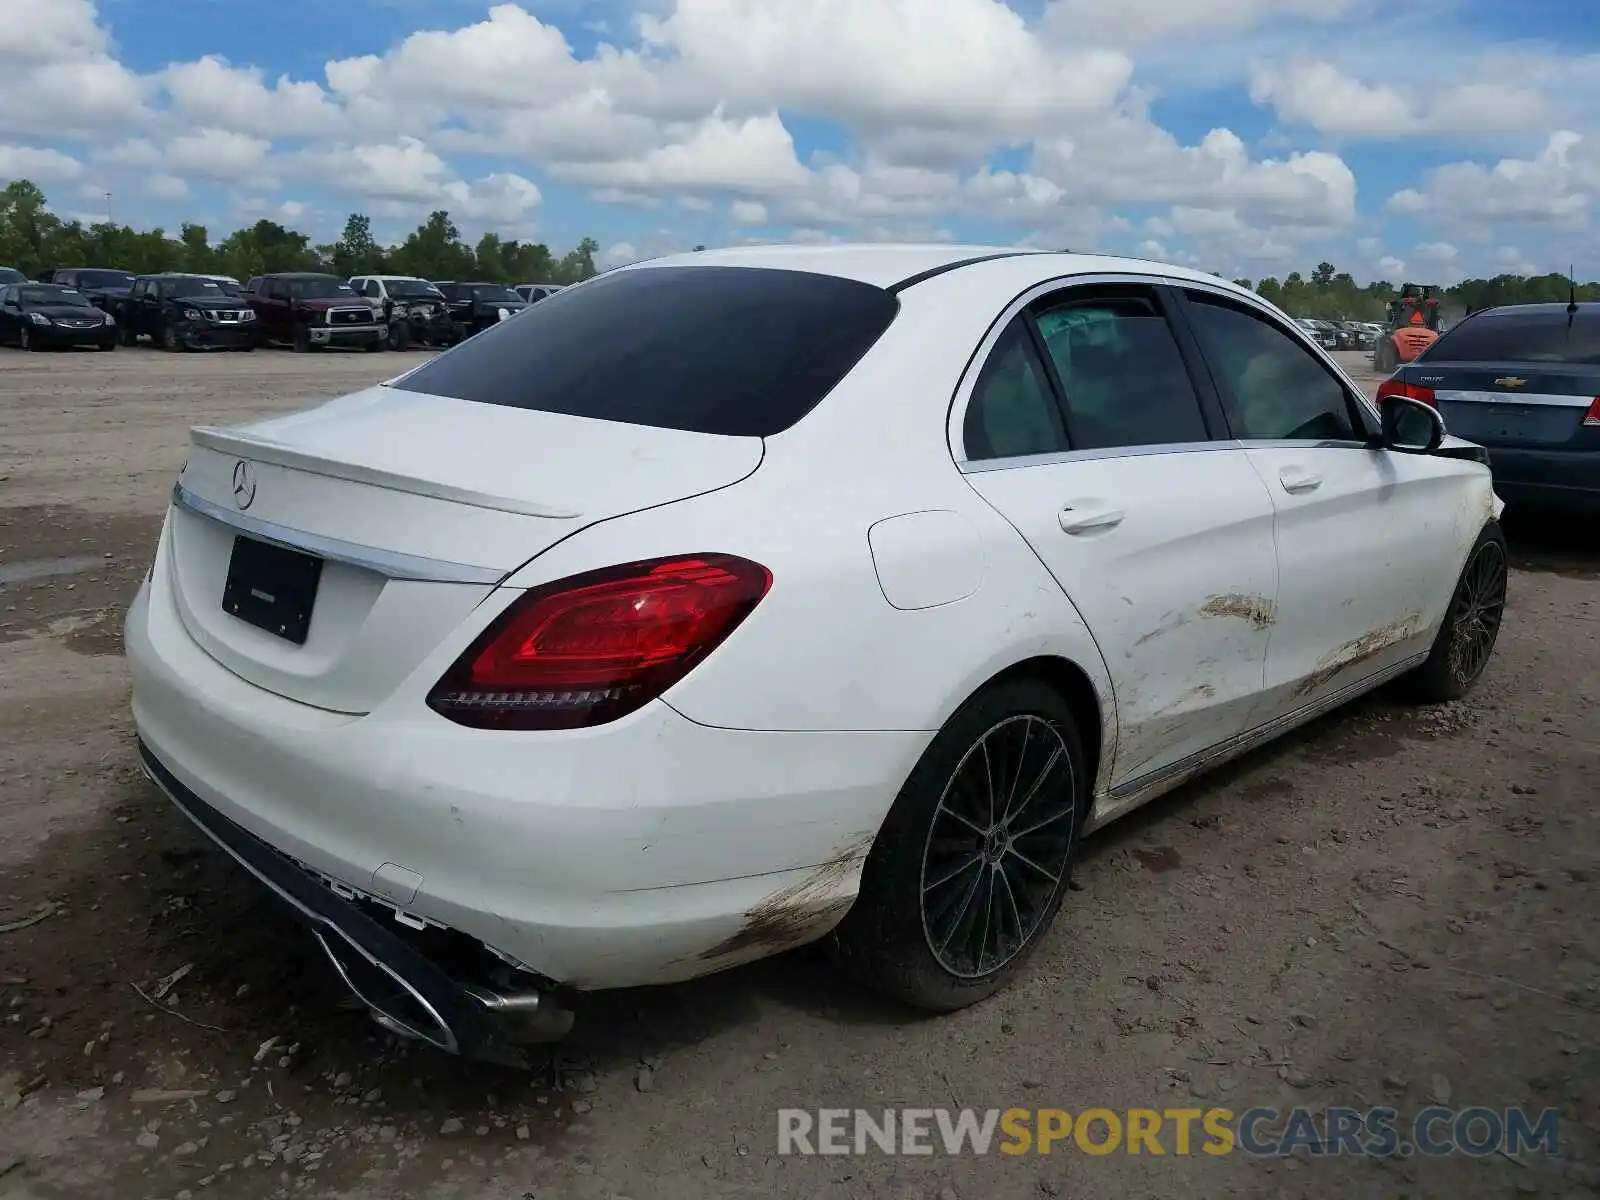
(1522, 337)
(729, 350)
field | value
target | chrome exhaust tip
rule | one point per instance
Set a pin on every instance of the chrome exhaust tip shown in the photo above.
(527, 1018)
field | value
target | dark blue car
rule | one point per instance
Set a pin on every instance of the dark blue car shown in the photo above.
(1524, 382)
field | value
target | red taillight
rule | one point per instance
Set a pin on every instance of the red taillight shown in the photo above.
(591, 648)
(1399, 387)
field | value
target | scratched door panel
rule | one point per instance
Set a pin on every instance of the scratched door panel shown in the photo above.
(1180, 593)
(1367, 559)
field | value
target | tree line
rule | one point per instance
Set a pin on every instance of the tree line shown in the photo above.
(33, 240)
(1334, 295)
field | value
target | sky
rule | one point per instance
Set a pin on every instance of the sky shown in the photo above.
(1424, 141)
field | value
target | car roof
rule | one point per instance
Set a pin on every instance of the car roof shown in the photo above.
(891, 265)
(392, 278)
(298, 275)
(1543, 309)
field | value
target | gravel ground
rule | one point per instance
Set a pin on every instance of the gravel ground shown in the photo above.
(1392, 906)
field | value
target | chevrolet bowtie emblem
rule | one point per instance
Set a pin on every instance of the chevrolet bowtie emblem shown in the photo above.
(1510, 381)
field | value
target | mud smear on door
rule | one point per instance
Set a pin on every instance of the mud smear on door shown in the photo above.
(1257, 610)
(1359, 650)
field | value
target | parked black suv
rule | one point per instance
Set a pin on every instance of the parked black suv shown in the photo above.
(187, 312)
(475, 307)
(105, 288)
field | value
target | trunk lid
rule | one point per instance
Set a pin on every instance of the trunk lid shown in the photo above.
(416, 507)
(1510, 403)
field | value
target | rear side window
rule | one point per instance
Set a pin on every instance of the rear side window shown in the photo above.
(1012, 412)
(1522, 337)
(741, 351)
(1121, 371)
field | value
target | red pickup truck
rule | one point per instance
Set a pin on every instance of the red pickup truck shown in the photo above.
(309, 311)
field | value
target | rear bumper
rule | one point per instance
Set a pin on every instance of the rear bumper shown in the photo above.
(651, 850)
(1557, 478)
(406, 991)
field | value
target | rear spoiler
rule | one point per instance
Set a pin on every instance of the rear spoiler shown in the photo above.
(258, 449)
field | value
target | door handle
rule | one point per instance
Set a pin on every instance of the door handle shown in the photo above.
(1088, 518)
(1296, 480)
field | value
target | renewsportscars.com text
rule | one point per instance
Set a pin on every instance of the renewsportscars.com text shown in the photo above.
(1257, 1132)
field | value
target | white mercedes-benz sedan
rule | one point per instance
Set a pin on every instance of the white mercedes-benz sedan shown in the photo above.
(733, 601)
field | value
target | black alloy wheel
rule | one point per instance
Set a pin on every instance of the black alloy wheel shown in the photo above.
(998, 845)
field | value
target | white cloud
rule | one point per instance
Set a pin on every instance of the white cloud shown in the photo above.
(166, 187)
(48, 32)
(217, 154)
(1557, 189)
(237, 98)
(748, 212)
(41, 166)
(1135, 22)
(618, 254)
(1390, 267)
(1320, 95)
(954, 65)
(754, 154)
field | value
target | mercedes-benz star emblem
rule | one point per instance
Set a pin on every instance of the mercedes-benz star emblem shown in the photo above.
(244, 484)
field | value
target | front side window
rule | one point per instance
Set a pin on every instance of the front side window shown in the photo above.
(1121, 371)
(1279, 390)
(1012, 412)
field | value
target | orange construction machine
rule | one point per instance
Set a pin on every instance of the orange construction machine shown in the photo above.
(1412, 326)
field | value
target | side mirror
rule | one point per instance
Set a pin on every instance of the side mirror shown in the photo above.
(1410, 425)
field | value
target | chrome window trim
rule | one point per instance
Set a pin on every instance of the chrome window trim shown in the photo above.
(1012, 462)
(389, 563)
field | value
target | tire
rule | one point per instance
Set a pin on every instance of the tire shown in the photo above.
(399, 335)
(1466, 640)
(302, 340)
(26, 340)
(1011, 730)
(128, 336)
(108, 347)
(169, 340)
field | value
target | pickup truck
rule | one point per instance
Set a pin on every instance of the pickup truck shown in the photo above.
(312, 312)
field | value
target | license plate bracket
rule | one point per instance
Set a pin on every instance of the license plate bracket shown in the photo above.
(272, 587)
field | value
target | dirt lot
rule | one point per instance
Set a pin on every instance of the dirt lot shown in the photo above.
(1390, 907)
